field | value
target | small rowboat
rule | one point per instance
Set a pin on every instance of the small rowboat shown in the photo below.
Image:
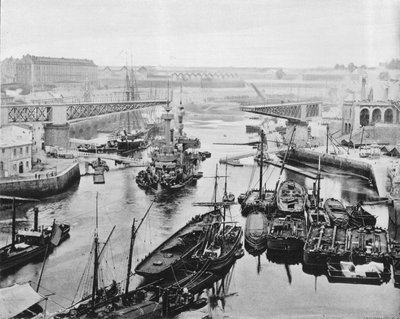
(336, 212)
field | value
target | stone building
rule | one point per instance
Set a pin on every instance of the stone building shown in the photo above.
(8, 70)
(41, 71)
(15, 150)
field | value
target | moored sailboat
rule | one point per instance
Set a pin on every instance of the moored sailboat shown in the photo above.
(255, 238)
(174, 252)
(336, 212)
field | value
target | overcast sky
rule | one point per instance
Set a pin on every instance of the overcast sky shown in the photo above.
(262, 33)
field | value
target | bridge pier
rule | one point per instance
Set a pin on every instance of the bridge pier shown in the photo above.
(57, 135)
(301, 135)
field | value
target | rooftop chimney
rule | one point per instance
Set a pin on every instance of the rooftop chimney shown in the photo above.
(363, 84)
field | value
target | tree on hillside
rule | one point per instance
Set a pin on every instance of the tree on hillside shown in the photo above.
(351, 67)
(279, 74)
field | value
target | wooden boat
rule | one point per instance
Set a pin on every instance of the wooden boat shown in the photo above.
(109, 301)
(258, 198)
(395, 254)
(291, 197)
(366, 274)
(336, 212)
(359, 217)
(234, 162)
(325, 243)
(318, 217)
(221, 245)
(178, 248)
(147, 180)
(255, 238)
(253, 201)
(369, 244)
(29, 245)
(176, 183)
(221, 240)
(286, 233)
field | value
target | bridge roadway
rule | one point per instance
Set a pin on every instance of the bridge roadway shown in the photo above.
(61, 114)
(294, 111)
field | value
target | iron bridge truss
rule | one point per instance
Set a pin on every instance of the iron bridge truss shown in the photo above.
(74, 111)
(84, 110)
(301, 111)
(29, 113)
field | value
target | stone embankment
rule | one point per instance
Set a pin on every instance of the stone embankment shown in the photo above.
(48, 185)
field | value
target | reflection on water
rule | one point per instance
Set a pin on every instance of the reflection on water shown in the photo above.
(272, 286)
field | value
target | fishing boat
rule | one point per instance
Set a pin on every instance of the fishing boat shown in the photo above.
(336, 212)
(291, 198)
(286, 233)
(174, 252)
(147, 180)
(258, 198)
(371, 273)
(359, 217)
(220, 247)
(325, 244)
(255, 237)
(234, 162)
(31, 244)
(369, 244)
(222, 239)
(318, 217)
(111, 301)
(395, 254)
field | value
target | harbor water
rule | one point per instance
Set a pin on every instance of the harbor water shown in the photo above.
(267, 290)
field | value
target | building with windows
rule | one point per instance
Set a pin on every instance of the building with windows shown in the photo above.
(41, 71)
(15, 150)
(8, 70)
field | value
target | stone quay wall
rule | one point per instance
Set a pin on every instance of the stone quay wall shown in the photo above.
(40, 188)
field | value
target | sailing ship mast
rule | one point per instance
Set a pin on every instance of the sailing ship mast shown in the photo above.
(13, 226)
(284, 160)
(96, 262)
(261, 160)
(133, 237)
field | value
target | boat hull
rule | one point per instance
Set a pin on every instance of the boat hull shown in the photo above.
(171, 256)
(285, 244)
(31, 253)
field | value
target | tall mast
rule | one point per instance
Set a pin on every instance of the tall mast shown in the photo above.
(215, 186)
(13, 225)
(133, 236)
(261, 160)
(95, 267)
(284, 160)
(327, 138)
(318, 186)
(226, 179)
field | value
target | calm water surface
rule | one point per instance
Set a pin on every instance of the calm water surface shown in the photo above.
(275, 290)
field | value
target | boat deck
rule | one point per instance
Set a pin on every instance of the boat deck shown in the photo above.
(174, 248)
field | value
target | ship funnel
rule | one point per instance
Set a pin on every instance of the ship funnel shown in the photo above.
(36, 218)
